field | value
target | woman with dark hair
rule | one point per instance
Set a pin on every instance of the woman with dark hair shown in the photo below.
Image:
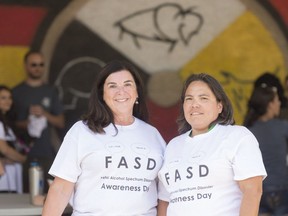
(108, 162)
(272, 135)
(10, 158)
(213, 167)
(271, 80)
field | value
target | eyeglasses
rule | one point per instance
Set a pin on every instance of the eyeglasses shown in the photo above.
(37, 65)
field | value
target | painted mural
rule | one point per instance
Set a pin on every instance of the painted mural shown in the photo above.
(233, 40)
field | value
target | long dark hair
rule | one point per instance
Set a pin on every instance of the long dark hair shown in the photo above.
(8, 117)
(271, 80)
(99, 115)
(258, 103)
(224, 118)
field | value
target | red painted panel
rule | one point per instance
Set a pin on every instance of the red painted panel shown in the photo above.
(282, 7)
(164, 119)
(18, 24)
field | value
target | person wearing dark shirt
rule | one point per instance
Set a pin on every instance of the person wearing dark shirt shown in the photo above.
(272, 134)
(38, 109)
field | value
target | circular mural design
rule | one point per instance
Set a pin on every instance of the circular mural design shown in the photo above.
(233, 40)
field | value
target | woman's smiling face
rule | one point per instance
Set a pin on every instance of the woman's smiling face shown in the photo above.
(200, 107)
(120, 92)
(5, 100)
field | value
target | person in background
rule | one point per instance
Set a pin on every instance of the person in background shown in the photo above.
(10, 158)
(213, 167)
(271, 80)
(38, 110)
(272, 134)
(108, 162)
(286, 86)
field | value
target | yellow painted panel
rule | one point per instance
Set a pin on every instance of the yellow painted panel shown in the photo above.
(237, 57)
(11, 65)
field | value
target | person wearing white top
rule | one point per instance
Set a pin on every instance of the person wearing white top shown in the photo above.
(213, 167)
(10, 158)
(109, 161)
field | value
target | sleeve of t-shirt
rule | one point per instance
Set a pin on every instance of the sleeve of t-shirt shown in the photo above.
(285, 127)
(21, 107)
(2, 132)
(162, 192)
(57, 107)
(67, 163)
(247, 161)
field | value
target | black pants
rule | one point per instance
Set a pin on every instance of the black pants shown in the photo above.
(274, 202)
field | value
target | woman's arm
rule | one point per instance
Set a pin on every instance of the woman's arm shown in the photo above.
(252, 192)
(11, 153)
(162, 208)
(58, 196)
(1, 168)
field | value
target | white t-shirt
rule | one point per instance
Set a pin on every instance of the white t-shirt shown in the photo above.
(12, 178)
(114, 174)
(199, 174)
